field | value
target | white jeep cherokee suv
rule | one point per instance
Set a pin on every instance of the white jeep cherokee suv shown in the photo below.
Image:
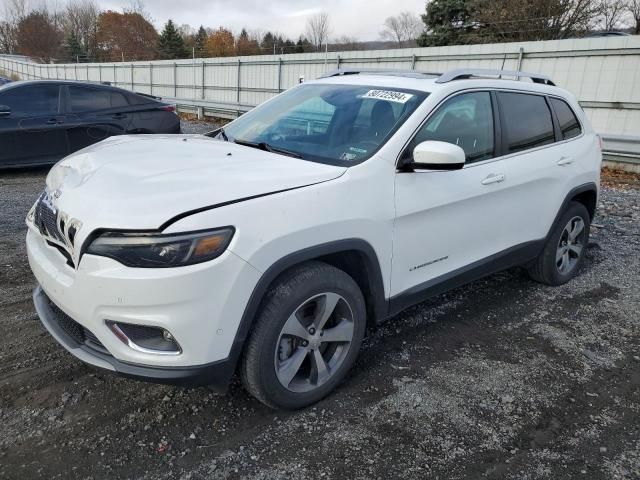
(268, 247)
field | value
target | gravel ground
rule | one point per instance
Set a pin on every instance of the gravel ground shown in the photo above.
(195, 126)
(502, 379)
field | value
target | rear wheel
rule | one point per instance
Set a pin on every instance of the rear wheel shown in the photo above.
(306, 337)
(564, 252)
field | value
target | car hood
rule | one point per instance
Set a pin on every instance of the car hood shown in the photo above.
(143, 181)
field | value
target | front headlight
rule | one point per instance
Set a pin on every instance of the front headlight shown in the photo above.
(147, 250)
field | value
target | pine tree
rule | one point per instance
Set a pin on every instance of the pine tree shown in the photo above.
(200, 41)
(171, 44)
(268, 42)
(303, 45)
(246, 45)
(73, 49)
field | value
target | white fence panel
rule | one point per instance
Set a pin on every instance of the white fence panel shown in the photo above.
(603, 73)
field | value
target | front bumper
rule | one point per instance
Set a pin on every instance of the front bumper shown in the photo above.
(216, 375)
(201, 305)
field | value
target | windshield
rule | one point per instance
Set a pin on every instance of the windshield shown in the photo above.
(335, 124)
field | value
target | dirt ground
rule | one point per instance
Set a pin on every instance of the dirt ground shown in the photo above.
(502, 379)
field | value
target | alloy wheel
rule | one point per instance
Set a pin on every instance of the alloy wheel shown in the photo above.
(314, 342)
(570, 245)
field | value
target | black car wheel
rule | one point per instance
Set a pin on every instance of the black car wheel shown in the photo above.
(306, 337)
(564, 251)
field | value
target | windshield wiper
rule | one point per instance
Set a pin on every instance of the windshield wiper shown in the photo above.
(268, 148)
(216, 132)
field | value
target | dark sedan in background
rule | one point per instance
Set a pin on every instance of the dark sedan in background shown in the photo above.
(43, 121)
(4, 80)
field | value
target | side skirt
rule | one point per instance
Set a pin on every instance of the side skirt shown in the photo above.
(511, 257)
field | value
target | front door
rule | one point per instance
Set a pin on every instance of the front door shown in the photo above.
(34, 131)
(447, 220)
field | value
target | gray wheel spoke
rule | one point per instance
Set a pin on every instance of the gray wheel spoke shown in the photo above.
(307, 355)
(565, 261)
(320, 366)
(571, 245)
(290, 367)
(343, 332)
(295, 328)
(326, 308)
(576, 229)
(575, 248)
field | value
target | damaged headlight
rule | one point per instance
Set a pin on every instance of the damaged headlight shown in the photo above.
(148, 250)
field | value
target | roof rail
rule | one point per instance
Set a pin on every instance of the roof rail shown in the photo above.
(379, 71)
(465, 73)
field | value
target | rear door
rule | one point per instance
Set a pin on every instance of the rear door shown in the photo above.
(535, 162)
(498, 208)
(148, 115)
(94, 114)
(34, 131)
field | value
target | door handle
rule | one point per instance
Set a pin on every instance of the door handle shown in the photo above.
(494, 178)
(118, 116)
(565, 161)
(53, 121)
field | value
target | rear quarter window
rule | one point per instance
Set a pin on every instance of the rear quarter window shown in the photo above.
(84, 99)
(567, 120)
(139, 99)
(526, 121)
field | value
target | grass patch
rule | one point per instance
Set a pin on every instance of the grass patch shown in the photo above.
(11, 76)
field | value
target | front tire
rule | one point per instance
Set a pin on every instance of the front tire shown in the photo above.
(565, 249)
(306, 337)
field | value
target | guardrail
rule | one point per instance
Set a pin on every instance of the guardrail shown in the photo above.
(204, 107)
(618, 149)
(622, 151)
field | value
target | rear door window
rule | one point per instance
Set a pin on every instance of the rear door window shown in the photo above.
(85, 99)
(567, 120)
(526, 121)
(32, 99)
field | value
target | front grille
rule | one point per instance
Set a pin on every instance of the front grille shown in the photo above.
(92, 341)
(74, 330)
(46, 219)
(70, 326)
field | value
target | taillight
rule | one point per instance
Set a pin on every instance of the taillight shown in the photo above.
(169, 108)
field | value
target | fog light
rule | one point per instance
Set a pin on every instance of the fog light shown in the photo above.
(145, 339)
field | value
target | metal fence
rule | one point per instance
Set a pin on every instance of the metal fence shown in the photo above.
(603, 73)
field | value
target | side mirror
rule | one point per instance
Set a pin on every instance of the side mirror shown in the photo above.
(5, 110)
(433, 155)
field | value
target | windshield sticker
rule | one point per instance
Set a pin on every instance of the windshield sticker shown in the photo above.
(347, 157)
(361, 151)
(389, 95)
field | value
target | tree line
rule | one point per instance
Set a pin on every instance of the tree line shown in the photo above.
(81, 32)
(455, 22)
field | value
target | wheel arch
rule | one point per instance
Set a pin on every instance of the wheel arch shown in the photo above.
(356, 257)
(589, 199)
(586, 194)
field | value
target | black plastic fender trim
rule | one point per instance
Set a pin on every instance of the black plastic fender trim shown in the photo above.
(585, 187)
(380, 307)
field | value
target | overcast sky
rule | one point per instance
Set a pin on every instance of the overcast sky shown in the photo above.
(355, 18)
